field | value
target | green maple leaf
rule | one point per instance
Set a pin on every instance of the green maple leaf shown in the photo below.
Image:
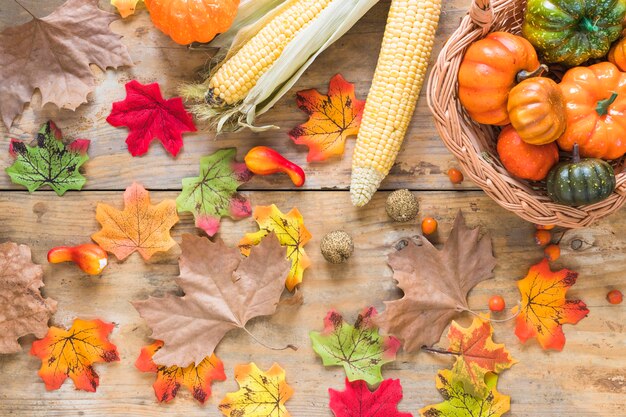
(360, 349)
(213, 194)
(48, 161)
(460, 403)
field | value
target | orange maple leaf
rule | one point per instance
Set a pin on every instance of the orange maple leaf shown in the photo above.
(544, 307)
(333, 118)
(140, 227)
(72, 353)
(170, 378)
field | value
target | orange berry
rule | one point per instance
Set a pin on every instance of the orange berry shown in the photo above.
(615, 297)
(496, 303)
(429, 226)
(552, 252)
(543, 237)
(456, 176)
(544, 227)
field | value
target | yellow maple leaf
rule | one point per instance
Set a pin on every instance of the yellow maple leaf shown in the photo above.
(261, 394)
(72, 353)
(290, 230)
(140, 227)
(125, 7)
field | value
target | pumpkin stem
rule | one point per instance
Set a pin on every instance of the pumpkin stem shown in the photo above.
(524, 75)
(603, 105)
(587, 25)
(576, 154)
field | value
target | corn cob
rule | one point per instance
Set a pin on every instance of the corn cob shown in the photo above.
(400, 73)
(234, 80)
(266, 58)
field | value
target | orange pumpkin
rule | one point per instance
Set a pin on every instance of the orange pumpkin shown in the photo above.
(523, 160)
(187, 21)
(490, 68)
(537, 110)
(617, 54)
(595, 102)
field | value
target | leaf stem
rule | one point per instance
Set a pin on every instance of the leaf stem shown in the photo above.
(439, 351)
(292, 347)
(496, 320)
(27, 11)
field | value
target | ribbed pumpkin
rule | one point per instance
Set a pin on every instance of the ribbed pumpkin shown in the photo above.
(523, 160)
(580, 182)
(187, 21)
(595, 102)
(537, 110)
(490, 68)
(617, 54)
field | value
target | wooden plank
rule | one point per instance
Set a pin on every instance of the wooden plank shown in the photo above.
(421, 165)
(586, 379)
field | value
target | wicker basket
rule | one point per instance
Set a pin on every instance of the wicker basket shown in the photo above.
(474, 145)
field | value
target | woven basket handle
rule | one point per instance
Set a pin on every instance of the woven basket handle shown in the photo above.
(481, 14)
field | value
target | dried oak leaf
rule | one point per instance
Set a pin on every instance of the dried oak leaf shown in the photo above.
(53, 54)
(222, 293)
(460, 403)
(332, 119)
(360, 349)
(358, 401)
(140, 227)
(291, 233)
(213, 194)
(148, 116)
(169, 379)
(435, 284)
(544, 307)
(22, 308)
(72, 353)
(48, 161)
(477, 354)
(261, 394)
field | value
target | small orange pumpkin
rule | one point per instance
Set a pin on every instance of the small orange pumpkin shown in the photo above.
(490, 68)
(187, 21)
(595, 103)
(617, 54)
(523, 160)
(537, 110)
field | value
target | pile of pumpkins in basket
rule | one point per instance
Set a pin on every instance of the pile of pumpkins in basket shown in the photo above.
(504, 81)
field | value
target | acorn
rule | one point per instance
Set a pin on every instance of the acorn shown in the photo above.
(337, 247)
(402, 205)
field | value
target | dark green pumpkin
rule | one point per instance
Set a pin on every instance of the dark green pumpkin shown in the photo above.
(573, 31)
(581, 182)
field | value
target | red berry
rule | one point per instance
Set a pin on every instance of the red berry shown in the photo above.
(552, 252)
(496, 303)
(544, 227)
(543, 237)
(455, 176)
(615, 297)
(429, 226)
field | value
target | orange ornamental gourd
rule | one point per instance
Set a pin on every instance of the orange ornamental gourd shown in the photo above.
(595, 100)
(617, 54)
(187, 21)
(523, 160)
(490, 68)
(537, 110)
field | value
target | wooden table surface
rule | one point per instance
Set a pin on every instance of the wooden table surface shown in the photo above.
(587, 379)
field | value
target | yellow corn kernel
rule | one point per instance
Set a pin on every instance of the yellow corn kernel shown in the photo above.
(400, 73)
(237, 76)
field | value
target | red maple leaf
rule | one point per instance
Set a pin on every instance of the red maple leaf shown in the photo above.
(149, 117)
(358, 401)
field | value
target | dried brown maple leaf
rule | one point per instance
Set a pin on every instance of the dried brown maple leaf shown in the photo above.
(222, 292)
(22, 308)
(53, 54)
(435, 284)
